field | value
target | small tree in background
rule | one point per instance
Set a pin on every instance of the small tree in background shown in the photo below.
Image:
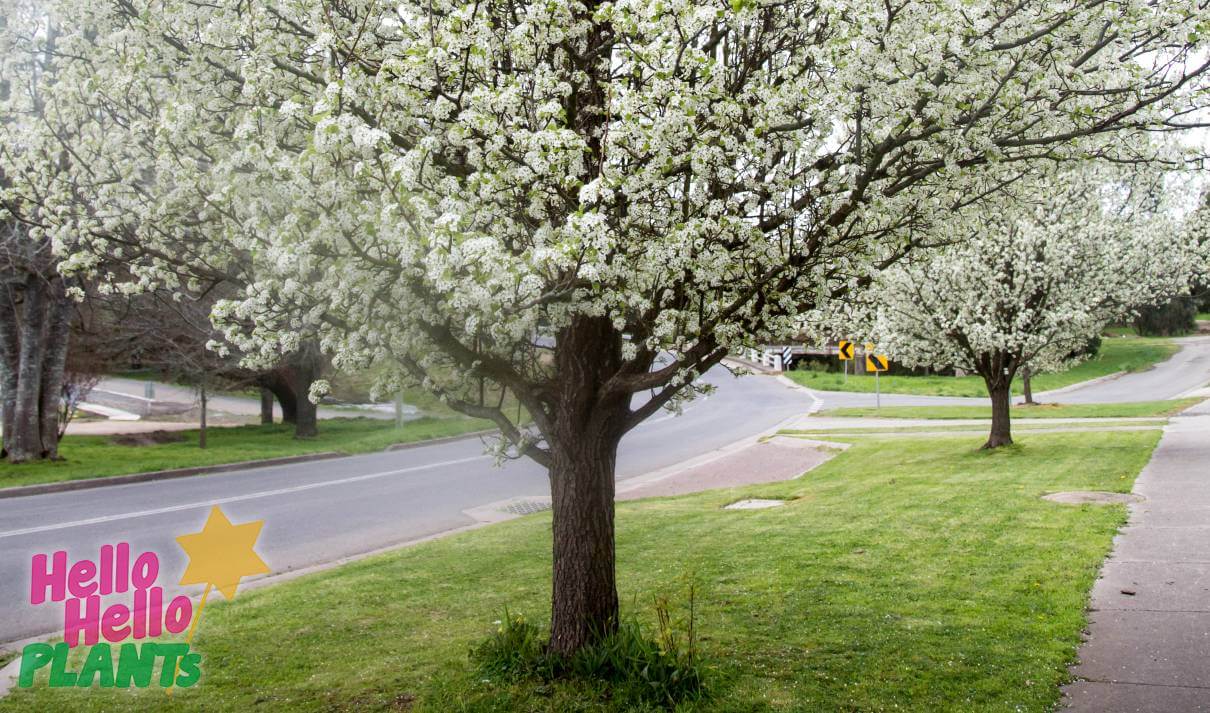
(1030, 277)
(1167, 319)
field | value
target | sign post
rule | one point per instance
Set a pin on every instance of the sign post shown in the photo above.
(876, 363)
(845, 347)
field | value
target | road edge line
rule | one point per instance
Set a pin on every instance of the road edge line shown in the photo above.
(62, 486)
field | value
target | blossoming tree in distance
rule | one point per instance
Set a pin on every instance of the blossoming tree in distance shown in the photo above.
(581, 204)
(1032, 276)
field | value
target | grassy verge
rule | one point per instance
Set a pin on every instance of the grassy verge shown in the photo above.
(982, 425)
(1116, 354)
(99, 456)
(1123, 410)
(900, 575)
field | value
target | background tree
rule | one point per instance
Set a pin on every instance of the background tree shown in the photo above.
(53, 118)
(550, 196)
(35, 309)
(1030, 277)
(175, 338)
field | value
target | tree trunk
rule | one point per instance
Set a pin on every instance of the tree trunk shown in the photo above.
(584, 596)
(54, 361)
(307, 423)
(10, 362)
(266, 406)
(33, 353)
(291, 383)
(1001, 395)
(1026, 386)
(26, 444)
(281, 390)
(583, 453)
(201, 432)
(304, 368)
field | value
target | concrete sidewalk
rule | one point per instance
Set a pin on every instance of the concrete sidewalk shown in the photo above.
(1148, 647)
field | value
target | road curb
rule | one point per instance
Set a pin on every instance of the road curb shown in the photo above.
(438, 441)
(21, 491)
(86, 483)
(817, 403)
(1081, 384)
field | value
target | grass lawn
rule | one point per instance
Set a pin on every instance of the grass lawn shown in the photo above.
(905, 575)
(98, 456)
(1122, 410)
(1117, 354)
(982, 426)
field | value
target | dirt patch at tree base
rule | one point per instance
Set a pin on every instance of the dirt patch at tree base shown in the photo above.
(150, 438)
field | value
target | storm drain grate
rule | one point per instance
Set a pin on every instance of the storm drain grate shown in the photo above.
(526, 507)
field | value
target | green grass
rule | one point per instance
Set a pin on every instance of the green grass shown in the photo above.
(1116, 354)
(1203, 316)
(1123, 410)
(901, 575)
(99, 456)
(1017, 426)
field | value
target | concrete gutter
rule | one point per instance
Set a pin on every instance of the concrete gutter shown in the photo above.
(1078, 385)
(816, 402)
(85, 483)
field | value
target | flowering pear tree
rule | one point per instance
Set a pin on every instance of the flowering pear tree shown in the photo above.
(584, 203)
(1030, 277)
(35, 312)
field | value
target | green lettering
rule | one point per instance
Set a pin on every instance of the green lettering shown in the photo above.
(172, 654)
(33, 657)
(135, 665)
(190, 670)
(59, 675)
(98, 663)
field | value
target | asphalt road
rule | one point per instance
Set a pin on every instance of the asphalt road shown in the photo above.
(322, 511)
(1186, 372)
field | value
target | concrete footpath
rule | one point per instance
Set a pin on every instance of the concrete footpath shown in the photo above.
(1148, 646)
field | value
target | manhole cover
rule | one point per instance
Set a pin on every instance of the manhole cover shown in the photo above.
(754, 504)
(526, 507)
(1094, 497)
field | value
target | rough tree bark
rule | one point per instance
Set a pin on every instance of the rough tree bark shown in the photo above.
(10, 361)
(304, 367)
(290, 384)
(26, 444)
(266, 406)
(279, 386)
(34, 332)
(1027, 387)
(583, 453)
(201, 431)
(999, 389)
(58, 333)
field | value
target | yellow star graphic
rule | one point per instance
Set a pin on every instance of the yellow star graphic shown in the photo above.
(221, 554)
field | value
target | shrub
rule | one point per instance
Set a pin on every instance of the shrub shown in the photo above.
(1174, 317)
(663, 671)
